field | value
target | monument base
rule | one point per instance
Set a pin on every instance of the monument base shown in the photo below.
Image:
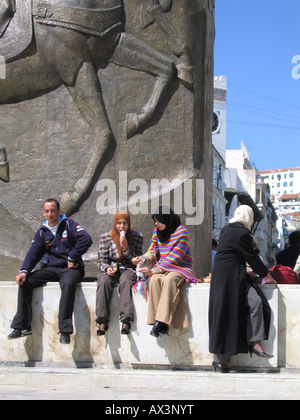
(187, 348)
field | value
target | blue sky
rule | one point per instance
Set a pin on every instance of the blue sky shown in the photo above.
(256, 41)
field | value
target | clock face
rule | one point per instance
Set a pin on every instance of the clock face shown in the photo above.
(216, 122)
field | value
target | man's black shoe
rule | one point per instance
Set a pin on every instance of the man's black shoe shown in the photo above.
(15, 334)
(65, 338)
(26, 332)
(19, 334)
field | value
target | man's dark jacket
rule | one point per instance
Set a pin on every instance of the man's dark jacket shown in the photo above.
(69, 244)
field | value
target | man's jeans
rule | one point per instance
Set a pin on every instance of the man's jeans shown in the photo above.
(67, 278)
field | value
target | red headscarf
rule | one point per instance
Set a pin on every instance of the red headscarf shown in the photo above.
(115, 234)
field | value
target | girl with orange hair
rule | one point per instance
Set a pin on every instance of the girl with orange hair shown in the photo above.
(116, 250)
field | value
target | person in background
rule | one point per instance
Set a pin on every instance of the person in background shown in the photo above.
(213, 252)
(60, 242)
(297, 268)
(169, 256)
(236, 316)
(116, 249)
(289, 256)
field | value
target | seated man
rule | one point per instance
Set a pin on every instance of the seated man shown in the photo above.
(62, 242)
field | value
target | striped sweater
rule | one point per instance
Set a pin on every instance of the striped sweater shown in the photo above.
(174, 255)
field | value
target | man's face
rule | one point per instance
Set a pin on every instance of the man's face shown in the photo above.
(51, 213)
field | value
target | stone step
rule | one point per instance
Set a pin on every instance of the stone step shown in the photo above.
(144, 383)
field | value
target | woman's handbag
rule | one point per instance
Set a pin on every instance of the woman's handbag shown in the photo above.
(284, 275)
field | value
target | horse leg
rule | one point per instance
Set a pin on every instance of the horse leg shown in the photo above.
(157, 9)
(87, 95)
(135, 54)
(4, 166)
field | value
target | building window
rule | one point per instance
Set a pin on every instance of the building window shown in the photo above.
(278, 185)
(291, 175)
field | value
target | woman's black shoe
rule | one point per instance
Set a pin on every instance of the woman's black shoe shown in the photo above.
(219, 368)
(259, 353)
(165, 329)
(101, 330)
(125, 328)
(159, 328)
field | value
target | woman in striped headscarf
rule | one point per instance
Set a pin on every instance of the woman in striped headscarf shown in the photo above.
(171, 270)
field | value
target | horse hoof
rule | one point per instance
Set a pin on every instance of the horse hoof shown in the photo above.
(132, 125)
(186, 76)
(166, 5)
(68, 203)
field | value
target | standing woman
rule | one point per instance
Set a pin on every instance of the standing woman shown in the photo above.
(170, 257)
(116, 249)
(236, 311)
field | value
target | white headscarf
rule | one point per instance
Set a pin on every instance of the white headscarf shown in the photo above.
(245, 215)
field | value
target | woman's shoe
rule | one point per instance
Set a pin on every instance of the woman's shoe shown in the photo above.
(102, 329)
(165, 329)
(259, 353)
(159, 328)
(125, 328)
(216, 367)
(156, 329)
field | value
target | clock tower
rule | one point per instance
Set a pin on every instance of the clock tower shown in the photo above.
(219, 115)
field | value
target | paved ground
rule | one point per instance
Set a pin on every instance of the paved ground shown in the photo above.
(115, 394)
(140, 386)
(119, 394)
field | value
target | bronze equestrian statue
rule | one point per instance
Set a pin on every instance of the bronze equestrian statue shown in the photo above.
(49, 43)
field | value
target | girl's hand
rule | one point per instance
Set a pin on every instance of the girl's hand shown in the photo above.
(147, 271)
(135, 260)
(123, 242)
(110, 271)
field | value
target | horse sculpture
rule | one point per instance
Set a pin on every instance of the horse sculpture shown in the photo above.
(71, 40)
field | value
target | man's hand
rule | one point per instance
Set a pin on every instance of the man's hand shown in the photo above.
(20, 279)
(72, 265)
